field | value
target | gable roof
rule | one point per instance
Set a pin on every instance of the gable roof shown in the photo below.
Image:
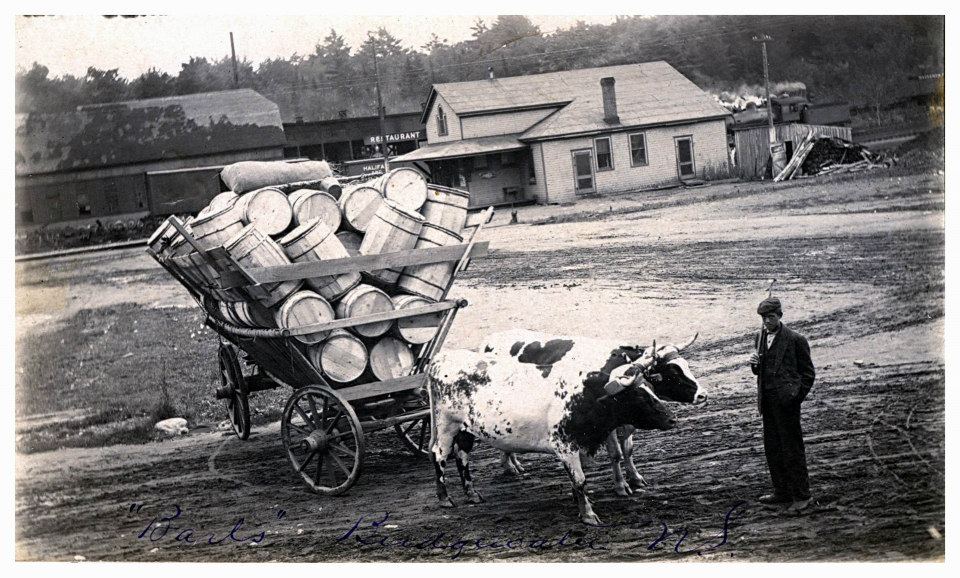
(146, 130)
(651, 93)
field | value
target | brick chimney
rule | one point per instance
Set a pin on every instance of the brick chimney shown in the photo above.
(609, 100)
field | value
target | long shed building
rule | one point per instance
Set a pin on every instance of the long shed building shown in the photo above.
(158, 155)
(558, 136)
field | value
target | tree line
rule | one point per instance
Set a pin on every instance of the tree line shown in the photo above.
(865, 60)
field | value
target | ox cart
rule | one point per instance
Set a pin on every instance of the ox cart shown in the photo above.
(324, 424)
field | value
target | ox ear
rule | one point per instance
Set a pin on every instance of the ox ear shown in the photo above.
(688, 342)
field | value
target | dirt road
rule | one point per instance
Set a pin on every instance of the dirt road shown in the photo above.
(860, 269)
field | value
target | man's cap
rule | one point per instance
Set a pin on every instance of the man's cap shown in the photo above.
(770, 305)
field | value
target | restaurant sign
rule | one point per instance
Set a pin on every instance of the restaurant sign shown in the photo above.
(396, 137)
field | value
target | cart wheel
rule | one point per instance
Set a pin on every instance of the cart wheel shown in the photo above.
(323, 439)
(238, 404)
(415, 435)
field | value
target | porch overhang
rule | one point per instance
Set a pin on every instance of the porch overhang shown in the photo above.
(464, 148)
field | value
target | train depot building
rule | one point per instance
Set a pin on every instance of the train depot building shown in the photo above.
(137, 157)
(559, 136)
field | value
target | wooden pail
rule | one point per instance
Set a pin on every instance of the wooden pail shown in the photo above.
(252, 248)
(215, 228)
(446, 207)
(308, 204)
(404, 186)
(392, 229)
(222, 201)
(358, 205)
(366, 300)
(430, 280)
(415, 330)
(305, 308)
(267, 208)
(331, 186)
(314, 241)
(390, 358)
(342, 357)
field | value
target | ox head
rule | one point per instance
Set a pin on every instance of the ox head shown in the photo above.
(635, 402)
(669, 373)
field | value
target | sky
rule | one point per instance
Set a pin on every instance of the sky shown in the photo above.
(164, 42)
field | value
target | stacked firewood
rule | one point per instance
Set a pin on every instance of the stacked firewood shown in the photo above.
(279, 213)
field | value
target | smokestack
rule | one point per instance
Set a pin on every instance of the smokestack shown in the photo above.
(609, 100)
(490, 72)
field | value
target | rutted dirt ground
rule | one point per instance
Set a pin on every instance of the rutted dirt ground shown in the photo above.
(860, 269)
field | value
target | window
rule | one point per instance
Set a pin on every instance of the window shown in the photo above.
(531, 168)
(603, 154)
(441, 122)
(638, 150)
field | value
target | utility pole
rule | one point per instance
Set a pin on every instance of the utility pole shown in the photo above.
(777, 149)
(233, 56)
(380, 112)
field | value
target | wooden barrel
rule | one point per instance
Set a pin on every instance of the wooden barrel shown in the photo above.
(314, 241)
(431, 280)
(308, 204)
(366, 300)
(404, 186)
(305, 308)
(178, 244)
(393, 229)
(252, 248)
(351, 242)
(223, 200)
(446, 207)
(358, 205)
(390, 358)
(268, 209)
(215, 228)
(419, 329)
(342, 357)
(331, 186)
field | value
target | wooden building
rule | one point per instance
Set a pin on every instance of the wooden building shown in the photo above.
(752, 144)
(558, 136)
(158, 155)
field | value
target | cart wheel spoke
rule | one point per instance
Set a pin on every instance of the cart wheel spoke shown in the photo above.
(331, 431)
(339, 463)
(231, 377)
(423, 432)
(414, 435)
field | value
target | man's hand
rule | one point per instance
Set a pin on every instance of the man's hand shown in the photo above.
(754, 359)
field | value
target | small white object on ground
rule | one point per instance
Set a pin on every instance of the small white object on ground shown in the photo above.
(172, 427)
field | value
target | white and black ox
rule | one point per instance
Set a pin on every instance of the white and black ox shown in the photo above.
(528, 392)
(664, 370)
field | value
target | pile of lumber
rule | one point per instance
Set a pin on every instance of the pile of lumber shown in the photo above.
(826, 155)
(266, 220)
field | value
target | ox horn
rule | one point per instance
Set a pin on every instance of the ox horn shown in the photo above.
(688, 342)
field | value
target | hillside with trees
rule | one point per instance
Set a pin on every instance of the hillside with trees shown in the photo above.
(866, 60)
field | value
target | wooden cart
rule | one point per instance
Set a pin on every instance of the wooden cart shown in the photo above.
(322, 426)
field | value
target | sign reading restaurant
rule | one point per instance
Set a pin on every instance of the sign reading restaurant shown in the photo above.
(396, 137)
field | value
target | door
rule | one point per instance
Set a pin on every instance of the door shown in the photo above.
(685, 166)
(583, 171)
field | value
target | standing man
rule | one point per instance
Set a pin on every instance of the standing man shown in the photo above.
(785, 375)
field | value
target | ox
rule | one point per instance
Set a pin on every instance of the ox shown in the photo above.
(475, 396)
(667, 372)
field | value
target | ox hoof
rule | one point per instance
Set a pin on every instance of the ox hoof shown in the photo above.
(475, 498)
(623, 490)
(447, 503)
(637, 483)
(591, 519)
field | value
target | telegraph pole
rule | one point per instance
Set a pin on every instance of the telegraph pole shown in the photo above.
(380, 113)
(778, 157)
(233, 55)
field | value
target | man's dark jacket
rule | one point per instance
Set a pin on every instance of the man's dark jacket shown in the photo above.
(785, 370)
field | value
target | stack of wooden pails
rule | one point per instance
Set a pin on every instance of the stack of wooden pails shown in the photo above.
(268, 227)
